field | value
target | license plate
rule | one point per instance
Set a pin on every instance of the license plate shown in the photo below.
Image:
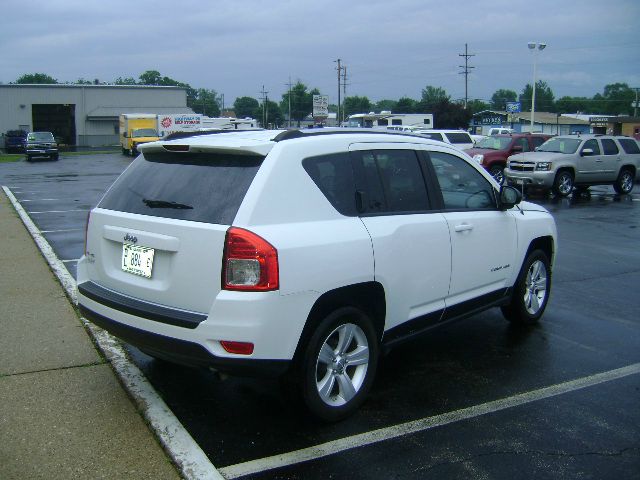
(137, 259)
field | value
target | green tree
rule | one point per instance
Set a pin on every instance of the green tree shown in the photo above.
(616, 99)
(447, 114)
(385, 105)
(301, 101)
(500, 98)
(475, 106)
(82, 81)
(150, 77)
(544, 97)
(125, 81)
(405, 105)
(28, 78)
(356, 104)
(207, 102)
(246, 107)
(574, 104)
(273, 113)
(432, 96)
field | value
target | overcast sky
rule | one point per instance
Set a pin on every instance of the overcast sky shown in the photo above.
(392, 48)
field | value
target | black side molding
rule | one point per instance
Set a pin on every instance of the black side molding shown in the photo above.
(139, 308)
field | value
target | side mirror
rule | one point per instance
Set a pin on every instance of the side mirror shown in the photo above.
(509, 197)
(125, 135)
(586, 152)
(516, 148)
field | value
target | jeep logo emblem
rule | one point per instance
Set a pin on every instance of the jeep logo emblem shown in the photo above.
(130, 238)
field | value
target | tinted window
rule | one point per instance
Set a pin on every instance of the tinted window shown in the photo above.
(463, 187)
(393, 182)
(459, 137)
(629, 145)
(197, 187)
(609, 147)
(593, 145)
(494, 143)
(560, 145)
(432, 135)
(537, 141)
(334, 177)
(524, 143)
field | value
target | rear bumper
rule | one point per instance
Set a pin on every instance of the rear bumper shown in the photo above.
(184, 352)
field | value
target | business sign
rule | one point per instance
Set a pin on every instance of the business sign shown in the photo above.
(321, 105)
(172, 123)
(513, 107)
(599, 121)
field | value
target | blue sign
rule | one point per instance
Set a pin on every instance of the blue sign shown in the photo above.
(513, 107)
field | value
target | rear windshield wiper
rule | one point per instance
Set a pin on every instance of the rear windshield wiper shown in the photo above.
(164, 204)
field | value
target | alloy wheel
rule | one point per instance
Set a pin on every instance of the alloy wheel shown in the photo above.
(342, 364)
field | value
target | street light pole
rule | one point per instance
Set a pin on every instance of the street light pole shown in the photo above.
(535, 46)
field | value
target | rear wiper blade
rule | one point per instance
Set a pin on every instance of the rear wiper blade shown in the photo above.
(164, 204)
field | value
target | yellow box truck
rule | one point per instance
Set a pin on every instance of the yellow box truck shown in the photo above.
(135, 129)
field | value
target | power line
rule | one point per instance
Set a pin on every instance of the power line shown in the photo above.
(265, 107)
(466, 69)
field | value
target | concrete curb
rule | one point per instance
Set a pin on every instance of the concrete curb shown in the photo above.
(185, 453)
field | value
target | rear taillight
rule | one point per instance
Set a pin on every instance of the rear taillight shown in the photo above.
(86, 230)
(250, 263)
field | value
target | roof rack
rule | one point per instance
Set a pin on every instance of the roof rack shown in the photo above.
(178, 135)
(297, 133)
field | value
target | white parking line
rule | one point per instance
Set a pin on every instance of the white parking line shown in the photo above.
(180, 446)
(59, 211)
(41, 200)
(63, 230)
(70, 261)
(369, 438)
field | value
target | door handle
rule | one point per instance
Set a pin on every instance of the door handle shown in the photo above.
(463, 227)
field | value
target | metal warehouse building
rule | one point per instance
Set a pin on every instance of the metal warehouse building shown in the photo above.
(84, 115)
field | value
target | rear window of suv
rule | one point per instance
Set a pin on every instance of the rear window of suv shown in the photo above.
(629, 145)
(459, 138)
(197, 187)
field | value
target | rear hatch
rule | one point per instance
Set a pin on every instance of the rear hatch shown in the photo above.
(158, 234)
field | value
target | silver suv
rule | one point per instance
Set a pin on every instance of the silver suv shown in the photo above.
(307, 254)
(565, 162)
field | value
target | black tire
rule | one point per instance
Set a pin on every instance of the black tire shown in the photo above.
(54, 157)
(339, 378)
(563, 183)
(624, 183)
(531, 290)
(497, 172)
(125, 152)
(28, 158)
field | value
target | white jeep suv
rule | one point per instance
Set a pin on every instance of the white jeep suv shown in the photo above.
(307, 254)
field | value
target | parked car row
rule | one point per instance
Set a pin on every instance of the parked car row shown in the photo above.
(577, 161)
(33, 144)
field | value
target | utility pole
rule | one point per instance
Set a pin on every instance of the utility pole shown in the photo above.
(635, 108)
(289, 85)
(265, 113)
(466, 70)
(344, 91)
(222, 100)
(339, 68)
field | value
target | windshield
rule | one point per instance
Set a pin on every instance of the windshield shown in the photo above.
(560, 145)
(494, 143)
(145, 132)
(40, 137)
(459, 137)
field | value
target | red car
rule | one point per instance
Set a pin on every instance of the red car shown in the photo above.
(492, 152)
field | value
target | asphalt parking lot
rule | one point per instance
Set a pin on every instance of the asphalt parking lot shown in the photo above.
(477, 399)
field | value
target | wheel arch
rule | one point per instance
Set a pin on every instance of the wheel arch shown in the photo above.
(368, 297)
(546, 244)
